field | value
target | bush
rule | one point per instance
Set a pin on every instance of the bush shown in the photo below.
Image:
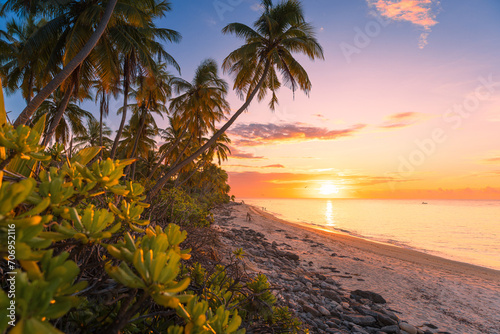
(66, 224)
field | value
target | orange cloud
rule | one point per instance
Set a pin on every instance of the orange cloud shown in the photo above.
(419, 12)
(264, 134)
(401, 120)
(494, 160)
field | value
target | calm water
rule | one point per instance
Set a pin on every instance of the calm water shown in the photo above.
(461, 230)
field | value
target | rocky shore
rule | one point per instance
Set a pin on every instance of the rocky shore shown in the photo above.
(314, 292)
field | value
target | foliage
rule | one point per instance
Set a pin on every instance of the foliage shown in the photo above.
(70, 210)
(86, 250)
(180, 208)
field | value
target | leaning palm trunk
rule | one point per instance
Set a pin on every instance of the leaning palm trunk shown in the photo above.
(126, 84)
(59, 115)
(161, 183)
(26, 114)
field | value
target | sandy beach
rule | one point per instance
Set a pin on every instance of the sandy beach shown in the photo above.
(423, 289)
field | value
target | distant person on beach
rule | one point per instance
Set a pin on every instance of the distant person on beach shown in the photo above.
(249, 217)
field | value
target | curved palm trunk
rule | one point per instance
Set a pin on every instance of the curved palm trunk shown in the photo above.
(68, 69)
(161, 182)
(126, 84)
(60, 114)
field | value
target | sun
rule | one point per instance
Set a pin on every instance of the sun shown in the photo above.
(328, 189)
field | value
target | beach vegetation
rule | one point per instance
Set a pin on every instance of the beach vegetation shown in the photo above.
(99, 223)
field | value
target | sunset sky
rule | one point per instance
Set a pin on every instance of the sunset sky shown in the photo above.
(405, 105)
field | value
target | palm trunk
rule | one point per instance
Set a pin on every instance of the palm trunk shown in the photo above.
(136, 143)
(100, 128)
(60, 114)
(30, 89)
(26, 114)
(203, 163)
(126, 84)
(161, 183)
(170, 149)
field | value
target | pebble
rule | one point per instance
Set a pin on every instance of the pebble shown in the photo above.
(324, 311)
(315, 297)
(408, 328)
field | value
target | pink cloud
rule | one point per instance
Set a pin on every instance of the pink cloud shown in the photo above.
(419, 12)
(239, 154)
(256, 134)
(401, 120)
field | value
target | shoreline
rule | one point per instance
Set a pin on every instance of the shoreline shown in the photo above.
(422, 289)
(386, 249)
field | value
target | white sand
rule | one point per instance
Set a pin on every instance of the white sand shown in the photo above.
(456, 297)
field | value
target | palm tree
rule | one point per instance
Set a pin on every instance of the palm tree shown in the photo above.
(199, 105)
(138, 47)
(70, 66)
(202, 102)
(104, 91)
(219, 149)
(71, 124)
(20, 69)
(145, 142)
(279, 32)
(91, 137)
(154, 90)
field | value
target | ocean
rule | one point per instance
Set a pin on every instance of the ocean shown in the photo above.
(461, 230)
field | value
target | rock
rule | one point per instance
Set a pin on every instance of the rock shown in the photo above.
(382, 319)
(332, 296)
(331, 281)
(390, 329)
(374, 297)
(289, 255)
(357, 329)
(321, 277)
(324, 311)
(408, 328)
(362, 320)
(311, 310)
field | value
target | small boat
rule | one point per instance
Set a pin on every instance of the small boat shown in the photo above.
(424, 202)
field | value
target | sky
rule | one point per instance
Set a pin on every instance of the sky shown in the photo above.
(406, 103)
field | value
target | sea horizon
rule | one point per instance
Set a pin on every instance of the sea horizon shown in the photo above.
(465, 233)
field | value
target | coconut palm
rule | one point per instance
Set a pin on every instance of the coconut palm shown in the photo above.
(152, 94)
(202, 102)
(219, 149)
(91, 137)
(199, 104)
(139, 48)
(104, 91)
(279, 32)
(20, 69)
(72, 64)
(145, 142)
(71, 124)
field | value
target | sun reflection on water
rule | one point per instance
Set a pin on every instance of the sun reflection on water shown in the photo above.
(330, 221)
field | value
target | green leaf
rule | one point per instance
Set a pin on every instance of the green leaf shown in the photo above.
(86, 155)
